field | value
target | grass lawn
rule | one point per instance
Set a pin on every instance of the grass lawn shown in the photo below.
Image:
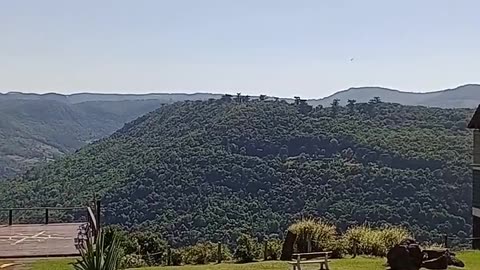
(51, 264)
(347, 264)
(470, 258)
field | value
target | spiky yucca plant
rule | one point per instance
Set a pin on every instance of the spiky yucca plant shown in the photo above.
(98, 256)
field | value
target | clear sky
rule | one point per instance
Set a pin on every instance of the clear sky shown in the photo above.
(275, 47)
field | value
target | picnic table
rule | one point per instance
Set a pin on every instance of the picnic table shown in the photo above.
(320, 258)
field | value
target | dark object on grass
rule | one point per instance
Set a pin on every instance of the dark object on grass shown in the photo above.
(287, 249)
(431, 254)
(408, 256)
(405, 256)
(437, 263)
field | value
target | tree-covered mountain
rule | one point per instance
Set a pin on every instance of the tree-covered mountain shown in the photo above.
(25, 141)
(32, 131)
(210, 170)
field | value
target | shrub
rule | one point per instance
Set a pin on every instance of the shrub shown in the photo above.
(371, 241)
(338, 247)
(133, 261)
(247, 249)
(197, 254)
(392, 236)
(273, 249)
(313, 235)
(365, 240)
(203, 253)
(151, 247)
(127, 243)
(176, 257)
(225, 255)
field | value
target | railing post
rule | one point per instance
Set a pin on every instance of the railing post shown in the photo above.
(10, 217)
(265, 250)
(219, 253)
(169, 256)
(46, 215)
(446, 240)
(97, 214)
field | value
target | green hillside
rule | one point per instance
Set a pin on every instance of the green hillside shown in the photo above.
(32, 131)
(209, 170)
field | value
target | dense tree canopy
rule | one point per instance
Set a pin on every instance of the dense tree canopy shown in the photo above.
(212, 170)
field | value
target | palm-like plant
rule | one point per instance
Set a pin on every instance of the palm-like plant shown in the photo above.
(98, 256)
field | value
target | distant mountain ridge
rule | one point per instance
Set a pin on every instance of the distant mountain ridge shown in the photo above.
(87, 97)
(465, 96)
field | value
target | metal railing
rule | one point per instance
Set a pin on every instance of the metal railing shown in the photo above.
(46, 210)
(92, 214)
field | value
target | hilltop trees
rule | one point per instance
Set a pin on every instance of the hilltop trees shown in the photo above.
(375, 100)
(351, 105)
(335, 107)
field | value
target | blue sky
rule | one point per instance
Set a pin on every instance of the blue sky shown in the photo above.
(275, 47)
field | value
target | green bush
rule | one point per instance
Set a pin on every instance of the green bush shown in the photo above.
(197, 254)
(392, 236)
(133, 261)
(273, 249)
(247, 249)
(373, 241)
(151, 247)
(338, 247)
(203, 253)
(176, 257)
(313, 235)
(128, 243)
(226, 254)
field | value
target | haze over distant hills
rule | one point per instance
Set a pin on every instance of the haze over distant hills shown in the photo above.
(465, 96)
(86, 97)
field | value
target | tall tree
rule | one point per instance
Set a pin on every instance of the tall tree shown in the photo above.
(351, 105)
(375, 100)
(239, 98)
(335, 106)
(297, 100)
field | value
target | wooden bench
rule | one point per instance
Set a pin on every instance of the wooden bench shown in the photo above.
(320, 258)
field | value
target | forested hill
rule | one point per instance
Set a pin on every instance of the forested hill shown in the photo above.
(33, 131)
(212, 169)
(39, 127)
